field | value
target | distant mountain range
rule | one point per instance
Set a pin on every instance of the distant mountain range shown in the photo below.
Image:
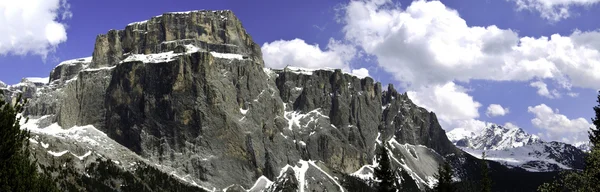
(516, 148)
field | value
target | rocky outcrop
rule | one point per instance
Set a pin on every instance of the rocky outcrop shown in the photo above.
(412, 124)
(85, 159)
(82, 102)
(218, 31)
(348, 105)
(67, 70)
(187, 113)
(28, 89)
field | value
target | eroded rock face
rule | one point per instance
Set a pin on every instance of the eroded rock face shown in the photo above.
(352, 108)
(28, 89)
(413, 124)
(218, 31)
(187, 113)
(82, 99)
(225, 119)
(68, 70)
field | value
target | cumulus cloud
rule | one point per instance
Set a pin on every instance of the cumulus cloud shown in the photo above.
(543, 90)
(428, 47)
(510, 125)
(553, 10)
(557, 126)
(429, 43)
(474, 125)
(362, 72)
(471, 125)
(449, 101)
(296, 52)
(32, 26)
(496, 110)
(281, 53)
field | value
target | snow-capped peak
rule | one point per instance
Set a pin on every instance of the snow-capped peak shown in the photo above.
(42, 80)
(460, 133)
(584, 146)
(492, 137)
(516, 148)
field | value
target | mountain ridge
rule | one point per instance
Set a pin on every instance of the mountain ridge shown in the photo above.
(188, 95)
(492, 137)
(516, 148)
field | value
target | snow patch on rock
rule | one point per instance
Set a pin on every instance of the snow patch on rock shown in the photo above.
(82, 156)
(261, 184)
(243, 111)
(58, 154)
(42, 80)
(76, 61)
(365, 172)
(300, 171)
(302, 120)
(227, 55)
(309, 71)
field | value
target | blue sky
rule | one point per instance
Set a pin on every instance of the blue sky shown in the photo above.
(446, 54)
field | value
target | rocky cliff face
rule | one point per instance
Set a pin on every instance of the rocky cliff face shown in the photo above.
(412, 124)
(188, 94)
(219, 31)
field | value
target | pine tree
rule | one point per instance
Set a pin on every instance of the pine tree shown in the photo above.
(383, 172)
(17, 171)
(486, 182)
(593, 159)
(444, 177)
(594, 133)
(588, 179)
(408, 183)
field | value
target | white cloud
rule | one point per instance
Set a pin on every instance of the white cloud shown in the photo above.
(32, 26)
(496, 110)
(543, 90)
(510, 125)
(429, 43)
(428, 46)
(281, 53)
(362, 72)
(474, 125)
(297, 53)
(573, 94)
(553, 10)
(449, 101)
(471, 125)
(557, 126)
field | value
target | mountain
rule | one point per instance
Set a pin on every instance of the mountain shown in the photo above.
(584, 146)
(183, 102)
(492, 137)
(516, 148)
